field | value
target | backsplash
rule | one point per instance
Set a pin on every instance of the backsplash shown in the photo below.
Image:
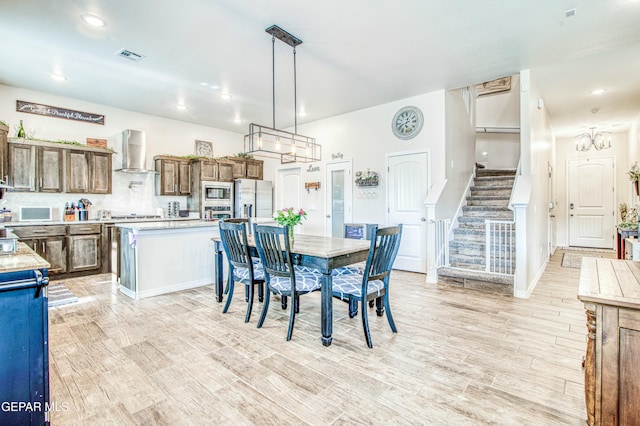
(126, 198)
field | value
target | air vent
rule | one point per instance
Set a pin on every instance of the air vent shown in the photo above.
(569, 13)
(129, 55)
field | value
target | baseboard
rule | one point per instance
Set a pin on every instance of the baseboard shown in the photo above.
(527, 293)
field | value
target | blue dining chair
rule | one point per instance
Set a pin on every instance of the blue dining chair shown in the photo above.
(282, 277)
(242, 267)
(373, 284)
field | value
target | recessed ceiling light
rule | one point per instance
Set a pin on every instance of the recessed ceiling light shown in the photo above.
(237, 120)
(225, 96)
(57, 77)
(93, 20)
(597, 91)
(181, 107)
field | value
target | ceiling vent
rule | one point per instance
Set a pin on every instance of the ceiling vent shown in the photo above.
(129, 55)
(569, 13)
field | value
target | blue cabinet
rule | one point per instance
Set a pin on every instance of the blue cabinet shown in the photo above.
(24, 348)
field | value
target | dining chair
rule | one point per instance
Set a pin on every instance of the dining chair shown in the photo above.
(242, 267)
(373, 284)
(282, 277)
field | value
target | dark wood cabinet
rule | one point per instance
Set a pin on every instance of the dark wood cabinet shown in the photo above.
(50, 167)
(255, 169)
(4, 153)
(203, 170)
(174, 175)
(246, 168)
(84, 252)
(47, 241)
(225, 171)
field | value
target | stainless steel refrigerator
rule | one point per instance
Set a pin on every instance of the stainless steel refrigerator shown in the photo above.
(253, 198)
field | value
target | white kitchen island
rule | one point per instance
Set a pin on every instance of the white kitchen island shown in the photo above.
(163, 257)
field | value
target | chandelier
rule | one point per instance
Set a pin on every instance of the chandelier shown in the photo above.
(599, 140)
(263, 141)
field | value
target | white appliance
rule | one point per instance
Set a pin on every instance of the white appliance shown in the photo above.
(253, 198)
(35, 214)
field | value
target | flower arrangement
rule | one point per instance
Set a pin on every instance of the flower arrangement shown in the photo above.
(289, 217)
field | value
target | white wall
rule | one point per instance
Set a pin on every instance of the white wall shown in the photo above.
(500, 109)
(460, 153)
(365, 137)
(164, 136)
(536, 143)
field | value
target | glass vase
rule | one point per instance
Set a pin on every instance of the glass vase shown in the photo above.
(291, 237)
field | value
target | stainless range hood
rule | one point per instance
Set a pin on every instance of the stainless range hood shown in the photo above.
(134, 152)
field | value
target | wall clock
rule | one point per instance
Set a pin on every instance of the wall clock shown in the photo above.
(407, 122)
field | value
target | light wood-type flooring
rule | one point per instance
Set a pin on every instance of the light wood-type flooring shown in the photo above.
(460, 357)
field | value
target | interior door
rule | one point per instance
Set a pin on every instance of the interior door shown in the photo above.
(339, 198)
(288, 187)
(591, 208)
(406, 191)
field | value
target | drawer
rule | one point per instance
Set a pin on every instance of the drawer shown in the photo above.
(39, 231)
(85, 229)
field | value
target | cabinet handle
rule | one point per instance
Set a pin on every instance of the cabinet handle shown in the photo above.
(44, 249)
(34, 247)
(39, 231)
(40, 182)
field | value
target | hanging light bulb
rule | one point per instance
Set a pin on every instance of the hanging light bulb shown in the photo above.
(277, 143)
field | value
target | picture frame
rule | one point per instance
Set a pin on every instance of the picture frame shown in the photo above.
(204, 149)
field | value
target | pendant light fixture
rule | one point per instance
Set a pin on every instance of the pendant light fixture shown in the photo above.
(263, 141)
(599, 140)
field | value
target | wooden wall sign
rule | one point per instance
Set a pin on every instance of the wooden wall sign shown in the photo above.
(51, 111)
(493, 86)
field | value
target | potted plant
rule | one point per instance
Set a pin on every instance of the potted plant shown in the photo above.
(634, 176)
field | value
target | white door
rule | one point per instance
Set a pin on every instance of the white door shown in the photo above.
(406, 191)
(590, 189)
(339, 198)
(288, 187)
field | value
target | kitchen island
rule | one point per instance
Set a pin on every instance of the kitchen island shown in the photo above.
(163, 257)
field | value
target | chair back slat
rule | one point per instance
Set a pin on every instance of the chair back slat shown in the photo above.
(385, 243)
(276, 259)
(234, 241)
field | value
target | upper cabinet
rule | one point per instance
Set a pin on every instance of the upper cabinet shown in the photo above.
(40, 167)
(246, 168)
(4, 153)
(174, 175)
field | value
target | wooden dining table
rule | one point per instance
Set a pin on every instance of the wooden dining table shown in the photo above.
(322, 253)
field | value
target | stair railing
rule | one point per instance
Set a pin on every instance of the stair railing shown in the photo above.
(441, 241)
(500, 246)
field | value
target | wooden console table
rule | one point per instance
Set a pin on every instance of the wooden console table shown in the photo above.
(621, 236)
(610, 291)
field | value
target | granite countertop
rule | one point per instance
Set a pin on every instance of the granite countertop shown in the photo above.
(107, 222)
(168, 225)
(23, 260)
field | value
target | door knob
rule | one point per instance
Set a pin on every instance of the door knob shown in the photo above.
(328, 216)
(571, 206)
(422, 219)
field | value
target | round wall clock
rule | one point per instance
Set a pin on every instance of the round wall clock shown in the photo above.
(407, 122)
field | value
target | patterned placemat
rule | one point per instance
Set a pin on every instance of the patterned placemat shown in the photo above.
(60, 295)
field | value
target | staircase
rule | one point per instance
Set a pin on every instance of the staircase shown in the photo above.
(489, 199)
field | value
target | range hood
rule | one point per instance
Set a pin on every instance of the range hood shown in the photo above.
(134, 152)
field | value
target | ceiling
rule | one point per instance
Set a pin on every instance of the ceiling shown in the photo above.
(355, 54)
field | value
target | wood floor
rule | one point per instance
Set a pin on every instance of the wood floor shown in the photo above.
(460, 357)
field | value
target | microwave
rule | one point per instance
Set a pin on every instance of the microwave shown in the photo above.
(217, 191)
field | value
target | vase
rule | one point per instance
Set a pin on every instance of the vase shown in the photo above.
(291, 237)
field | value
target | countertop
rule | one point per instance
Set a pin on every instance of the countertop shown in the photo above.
(106, 222)
(168, 225)
(23, 260)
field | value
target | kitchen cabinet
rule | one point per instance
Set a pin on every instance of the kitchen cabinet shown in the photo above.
(84, 248)
(48, 241)
(174, 175)
(203, 170)
(225, 171)
(88, 172)
(246, 168)
(40, 167)
(35, 168)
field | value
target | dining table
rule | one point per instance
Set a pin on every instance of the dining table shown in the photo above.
(313, 251)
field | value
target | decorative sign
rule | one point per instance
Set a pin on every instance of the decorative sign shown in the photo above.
(337, 156)
(367, 178)
(313, 168)
(51, 111)
(311, 185)
(493, 86)
(204, 149)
